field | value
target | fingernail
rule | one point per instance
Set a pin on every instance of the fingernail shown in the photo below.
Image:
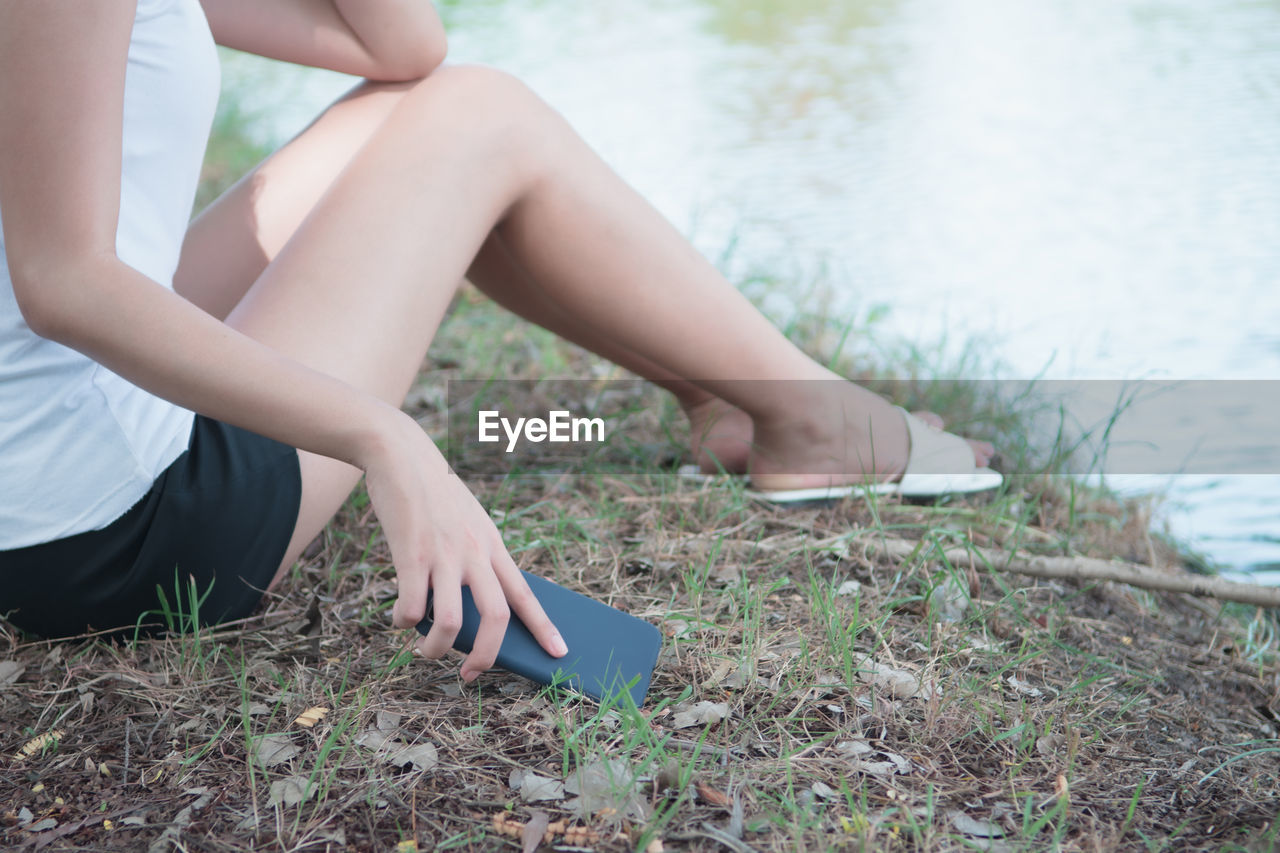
(468, 675)
(557, 645)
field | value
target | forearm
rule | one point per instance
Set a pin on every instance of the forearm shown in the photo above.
(378, 39)
(405, 35)
(164, 344)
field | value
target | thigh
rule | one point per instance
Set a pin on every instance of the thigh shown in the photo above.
(344, 249)
(232, 242)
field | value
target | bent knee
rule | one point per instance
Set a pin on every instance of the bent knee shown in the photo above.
(480, 81)
(475, 86)
(493, 112)
(481, 98)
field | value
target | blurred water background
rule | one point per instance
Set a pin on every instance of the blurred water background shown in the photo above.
(1078, 190)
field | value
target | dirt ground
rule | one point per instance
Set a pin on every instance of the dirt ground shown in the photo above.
(812, 694)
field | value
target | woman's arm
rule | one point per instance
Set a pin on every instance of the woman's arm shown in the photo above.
(62, 66)
(378, 39)
(61, 90)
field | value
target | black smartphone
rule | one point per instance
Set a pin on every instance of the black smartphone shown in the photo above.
(609, 651)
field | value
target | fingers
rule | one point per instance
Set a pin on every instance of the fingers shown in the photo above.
(525, 605)
(494, 616)
(411, 598)
(459, 547)
(446, 614)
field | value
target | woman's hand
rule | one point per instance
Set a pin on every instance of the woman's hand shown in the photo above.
(442, 539)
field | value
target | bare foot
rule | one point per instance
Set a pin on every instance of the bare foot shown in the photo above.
(847, 437)
(720, 436)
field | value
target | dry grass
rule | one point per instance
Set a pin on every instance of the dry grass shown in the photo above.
(1025, 714)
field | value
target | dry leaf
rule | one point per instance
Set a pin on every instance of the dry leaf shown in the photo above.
(854, 748)
(859, 753)
(10, 671)
(534, 788)
(270, 750)
(949, 599)
(718, 676)
(422, 756)
(1024, 688)
(711, 795)
(311, 716)
(726, 572)
(849, 588)
(824, 791)
(1048, 745)
(898, 683)
(289, 791)
(374, 739)
(703, 713)
(39, 744)
(678, 628)
(876, 768)
(976, 828)
(741, 678)
(605, 784)
(901, 764)
(534, 831)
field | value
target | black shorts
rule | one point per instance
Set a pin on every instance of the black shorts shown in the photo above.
(218, 520)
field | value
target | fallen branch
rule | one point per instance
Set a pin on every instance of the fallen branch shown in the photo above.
(1088, 568)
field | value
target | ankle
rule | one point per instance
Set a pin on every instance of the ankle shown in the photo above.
(812, 413)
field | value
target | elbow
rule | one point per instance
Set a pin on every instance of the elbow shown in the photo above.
(46, 306)
(39, 312)
(425, 56)
(434, 52)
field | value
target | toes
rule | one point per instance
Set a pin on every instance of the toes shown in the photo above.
(931, 419)
(983, 451)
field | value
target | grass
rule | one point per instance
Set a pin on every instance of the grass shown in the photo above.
(868, 703)
(1016, 714)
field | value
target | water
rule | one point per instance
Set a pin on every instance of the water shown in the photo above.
(1088, 190)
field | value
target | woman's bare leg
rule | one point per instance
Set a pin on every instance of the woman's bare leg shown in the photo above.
(233, 240)
(719, 434)
(359, 288)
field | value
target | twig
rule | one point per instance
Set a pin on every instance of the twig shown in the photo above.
(709, 831)
(1088, 568)
(128, 735)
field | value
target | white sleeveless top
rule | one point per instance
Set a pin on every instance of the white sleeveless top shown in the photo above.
(79, 445)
